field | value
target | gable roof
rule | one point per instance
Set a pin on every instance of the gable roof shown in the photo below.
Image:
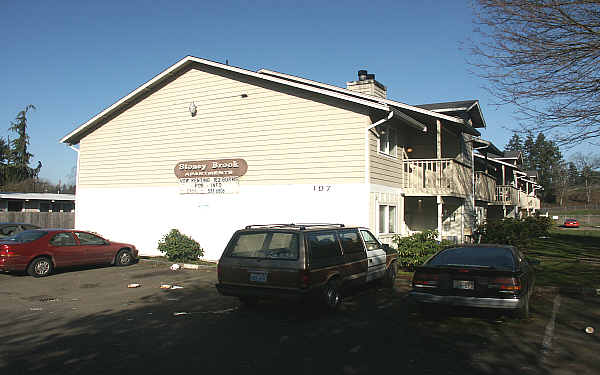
(153, 84)
(468, 106)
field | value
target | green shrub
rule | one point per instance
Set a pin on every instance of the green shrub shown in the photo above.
(415, 249)
(180, 248)
(516, 232)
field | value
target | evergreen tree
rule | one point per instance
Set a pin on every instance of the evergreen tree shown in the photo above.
(19, 157)
(546, 158)
(529, 152)
(515, 143)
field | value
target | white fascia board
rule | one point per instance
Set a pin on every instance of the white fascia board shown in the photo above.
(187, 59)
(365, 96)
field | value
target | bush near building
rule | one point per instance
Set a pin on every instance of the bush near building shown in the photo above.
(516, 232)
(180, 248)
(415, 249)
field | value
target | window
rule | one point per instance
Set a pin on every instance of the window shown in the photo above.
(351, 242)
(323, 245)
(388, 140)
(370, 240)
(387, 219)
(266, 245)
(89, 239)
(63, 239)
(499, 258)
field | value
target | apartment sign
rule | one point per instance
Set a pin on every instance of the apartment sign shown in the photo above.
(210, 176)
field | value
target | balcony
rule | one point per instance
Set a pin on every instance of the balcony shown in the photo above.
(485, 187)
(506, 195)
(436, 177)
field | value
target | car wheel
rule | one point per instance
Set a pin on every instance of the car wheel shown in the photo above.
(523, 311)
(390, 276)
(332, 295)
(40, 267)
(124, 258)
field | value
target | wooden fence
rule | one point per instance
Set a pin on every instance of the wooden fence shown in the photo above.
(41, 219)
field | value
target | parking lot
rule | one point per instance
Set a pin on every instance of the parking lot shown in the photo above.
(88, 320)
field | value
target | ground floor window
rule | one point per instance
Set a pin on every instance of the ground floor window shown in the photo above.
(387, 219)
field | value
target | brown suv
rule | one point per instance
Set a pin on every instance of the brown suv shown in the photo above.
(302, 260)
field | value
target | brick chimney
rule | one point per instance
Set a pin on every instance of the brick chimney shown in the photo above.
(367, 84)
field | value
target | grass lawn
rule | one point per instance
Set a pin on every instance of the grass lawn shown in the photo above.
(568, 258)
(573, 212)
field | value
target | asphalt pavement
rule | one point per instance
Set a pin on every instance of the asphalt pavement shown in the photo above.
(88, 321)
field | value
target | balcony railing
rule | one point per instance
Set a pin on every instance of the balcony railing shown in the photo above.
(507, 195)
(436, 177)
(485, 187)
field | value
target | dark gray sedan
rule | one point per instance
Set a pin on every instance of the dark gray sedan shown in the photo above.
(490, 276)
(10, 229)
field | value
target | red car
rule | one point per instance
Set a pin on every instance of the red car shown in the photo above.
(571, 223)
(39, 251)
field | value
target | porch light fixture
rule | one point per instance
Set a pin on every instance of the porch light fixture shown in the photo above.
(409, 149)
(192, 108)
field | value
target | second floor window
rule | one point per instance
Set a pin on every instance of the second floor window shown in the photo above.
(388, 140)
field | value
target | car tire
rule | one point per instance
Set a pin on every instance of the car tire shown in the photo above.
(523, 311)
(123, 258)
(390, 276)
(40, 267)
(332, 295)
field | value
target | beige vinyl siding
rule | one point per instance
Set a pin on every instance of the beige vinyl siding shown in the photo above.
(383, 169)
(286, 135)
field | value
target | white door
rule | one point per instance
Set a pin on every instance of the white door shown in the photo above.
(376, 256)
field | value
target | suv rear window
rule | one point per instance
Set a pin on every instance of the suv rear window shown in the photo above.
(265, 245)
(496, 257)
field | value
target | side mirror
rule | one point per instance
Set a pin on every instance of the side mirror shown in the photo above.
(106, 242)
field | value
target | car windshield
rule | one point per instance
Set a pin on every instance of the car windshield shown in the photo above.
(26, 236)
(265, 245)
(487, 257)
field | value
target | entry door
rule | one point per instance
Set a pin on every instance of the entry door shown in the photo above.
(376, 256)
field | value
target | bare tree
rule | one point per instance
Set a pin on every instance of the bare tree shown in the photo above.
(587, 164)
(544, 57)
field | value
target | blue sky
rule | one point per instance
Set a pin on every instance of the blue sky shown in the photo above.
(72, 59)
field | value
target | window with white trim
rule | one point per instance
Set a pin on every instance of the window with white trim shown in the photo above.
(388, 219)
(388, 140)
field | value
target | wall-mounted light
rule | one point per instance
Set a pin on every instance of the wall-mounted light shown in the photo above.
(192, 108)
(409, 149)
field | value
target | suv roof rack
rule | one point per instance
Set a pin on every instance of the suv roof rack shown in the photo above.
(296, 225)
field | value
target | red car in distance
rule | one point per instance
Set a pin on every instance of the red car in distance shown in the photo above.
(571, 223)
(40, 251)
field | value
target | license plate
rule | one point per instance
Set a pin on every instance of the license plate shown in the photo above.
(464, 284)
(258, 277)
